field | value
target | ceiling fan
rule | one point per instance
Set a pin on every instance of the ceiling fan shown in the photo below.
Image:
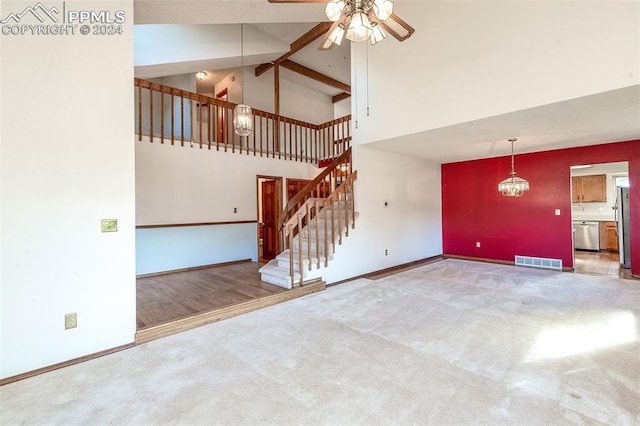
(359, 20)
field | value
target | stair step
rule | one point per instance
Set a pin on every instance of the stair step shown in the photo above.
(273, 274)
(278, 270)
(283, 260)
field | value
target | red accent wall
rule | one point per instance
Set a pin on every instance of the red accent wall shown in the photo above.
(473, 209)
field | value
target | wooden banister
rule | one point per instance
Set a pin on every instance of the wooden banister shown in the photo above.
(305, 193)
(210, 125)
(308, 214)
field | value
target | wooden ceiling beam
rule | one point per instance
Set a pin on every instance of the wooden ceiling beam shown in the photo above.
(262, 68)
(340, 96)
(315, 75)
(309, 37)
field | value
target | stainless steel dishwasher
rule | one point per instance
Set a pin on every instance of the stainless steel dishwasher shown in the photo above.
(587, 235)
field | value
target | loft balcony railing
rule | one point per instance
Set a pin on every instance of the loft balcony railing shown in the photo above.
(168, 115)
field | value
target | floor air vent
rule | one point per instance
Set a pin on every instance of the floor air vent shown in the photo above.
(539, 262)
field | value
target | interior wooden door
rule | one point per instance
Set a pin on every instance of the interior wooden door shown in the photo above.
(269, 217)
(294, 186)
(222, 118)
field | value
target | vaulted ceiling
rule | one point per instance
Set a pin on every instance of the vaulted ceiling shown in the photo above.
(177, 37)
(604, 117)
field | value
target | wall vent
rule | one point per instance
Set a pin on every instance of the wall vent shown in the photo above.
(539, 262)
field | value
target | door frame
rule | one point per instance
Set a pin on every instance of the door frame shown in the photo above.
(221, 117)
(278, 203)
(609, 181)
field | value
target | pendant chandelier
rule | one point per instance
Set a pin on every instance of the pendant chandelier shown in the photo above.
(358, 20)
(242, 114)
(513, 186)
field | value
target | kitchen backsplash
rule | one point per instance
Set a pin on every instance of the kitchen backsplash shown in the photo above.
(592, 212)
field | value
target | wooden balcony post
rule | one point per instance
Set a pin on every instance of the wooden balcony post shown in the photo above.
(139, 112)
(161, 117)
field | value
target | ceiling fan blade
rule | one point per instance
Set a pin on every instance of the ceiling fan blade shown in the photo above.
(397, 27)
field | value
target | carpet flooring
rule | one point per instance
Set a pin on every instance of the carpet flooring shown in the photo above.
(453, 342)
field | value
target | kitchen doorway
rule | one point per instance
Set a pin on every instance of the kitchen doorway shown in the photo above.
(599, 229)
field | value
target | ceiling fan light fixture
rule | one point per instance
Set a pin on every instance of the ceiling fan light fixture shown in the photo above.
(334, 10)
(358, 20)
(383, 9)
(359, 28)
(337, 35)
(377, 35)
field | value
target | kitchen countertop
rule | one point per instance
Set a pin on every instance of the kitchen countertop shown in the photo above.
(593, 219)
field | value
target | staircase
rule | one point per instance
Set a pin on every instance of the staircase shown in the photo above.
(315, 227)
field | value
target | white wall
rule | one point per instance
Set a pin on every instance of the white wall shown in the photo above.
(410, 228)
(61, 173)
(342, 108)
(1, 210)
(174, 248)
(296, 101)
(177, 184)
(183, 185)
(469, 60)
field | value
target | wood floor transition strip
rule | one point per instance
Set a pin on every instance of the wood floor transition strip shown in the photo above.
(162, 330)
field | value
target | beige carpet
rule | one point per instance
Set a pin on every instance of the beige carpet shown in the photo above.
(453, 342)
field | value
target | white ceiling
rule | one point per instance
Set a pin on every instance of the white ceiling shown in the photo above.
(224, 12)
(283, 22)
(601, 118)
(334, 63)
(605, 117)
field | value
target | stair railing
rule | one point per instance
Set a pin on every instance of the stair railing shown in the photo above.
(336, 214)
(165, 113)
(320, 187)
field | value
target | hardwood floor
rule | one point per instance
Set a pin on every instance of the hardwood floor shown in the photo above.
(600, 263)
(175, 302)
(170, 297)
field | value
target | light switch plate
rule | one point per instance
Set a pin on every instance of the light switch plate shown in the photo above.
(109, 225)
(557, 212)
(70, 321)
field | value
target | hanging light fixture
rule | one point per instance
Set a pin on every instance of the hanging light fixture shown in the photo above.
(513, 186)
(242, 114)
(201, 75)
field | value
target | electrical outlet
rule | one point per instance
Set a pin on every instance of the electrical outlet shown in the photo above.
(386, 252)
(70, 321)
(235, 210)
(477, 244)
